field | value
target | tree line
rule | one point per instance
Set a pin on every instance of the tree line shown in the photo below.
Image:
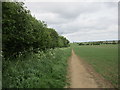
(22, 32)
(99, 42)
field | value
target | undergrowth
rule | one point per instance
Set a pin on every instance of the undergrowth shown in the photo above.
(37, 70)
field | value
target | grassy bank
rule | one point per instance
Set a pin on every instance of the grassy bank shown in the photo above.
(40, 70)
(103, 58)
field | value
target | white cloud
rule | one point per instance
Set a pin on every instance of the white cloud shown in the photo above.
(79, 21)
(70, 0)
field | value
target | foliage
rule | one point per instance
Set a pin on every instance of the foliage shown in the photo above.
(24, 33)
(37, 70)
(98, 42)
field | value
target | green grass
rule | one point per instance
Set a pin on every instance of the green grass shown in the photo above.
(103, 58)
(40, 70)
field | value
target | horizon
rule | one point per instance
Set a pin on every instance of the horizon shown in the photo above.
(94, 41)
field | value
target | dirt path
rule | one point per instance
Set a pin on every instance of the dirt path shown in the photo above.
(79, 75)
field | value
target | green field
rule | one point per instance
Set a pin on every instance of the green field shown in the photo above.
(37, 70)
(103, 58)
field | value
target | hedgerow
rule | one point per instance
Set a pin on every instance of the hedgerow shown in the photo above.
(22, 32)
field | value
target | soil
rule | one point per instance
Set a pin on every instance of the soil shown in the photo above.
(82, 75)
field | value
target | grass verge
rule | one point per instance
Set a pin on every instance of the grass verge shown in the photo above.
(37, 70)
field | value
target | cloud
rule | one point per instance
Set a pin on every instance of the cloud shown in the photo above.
(69, 0)
(78, 20)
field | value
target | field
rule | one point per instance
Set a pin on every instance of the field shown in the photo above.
(103, 58)
(49, 69)
(36, 55)
(37, 70)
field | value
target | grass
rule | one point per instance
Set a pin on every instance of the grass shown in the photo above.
(37, 70)
(103, 58)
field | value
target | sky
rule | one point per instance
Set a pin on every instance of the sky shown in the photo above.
(79, 21)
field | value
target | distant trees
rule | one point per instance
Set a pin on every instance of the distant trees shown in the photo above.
(22, 32)
(98, 42)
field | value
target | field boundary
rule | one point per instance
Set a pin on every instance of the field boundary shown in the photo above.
(68, 73)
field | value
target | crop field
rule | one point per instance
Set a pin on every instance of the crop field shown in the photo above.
(103, 58)
(41, 70)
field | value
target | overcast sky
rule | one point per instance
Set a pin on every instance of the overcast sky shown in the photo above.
(79, 21)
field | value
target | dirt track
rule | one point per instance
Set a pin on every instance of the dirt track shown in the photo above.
(80, 77)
